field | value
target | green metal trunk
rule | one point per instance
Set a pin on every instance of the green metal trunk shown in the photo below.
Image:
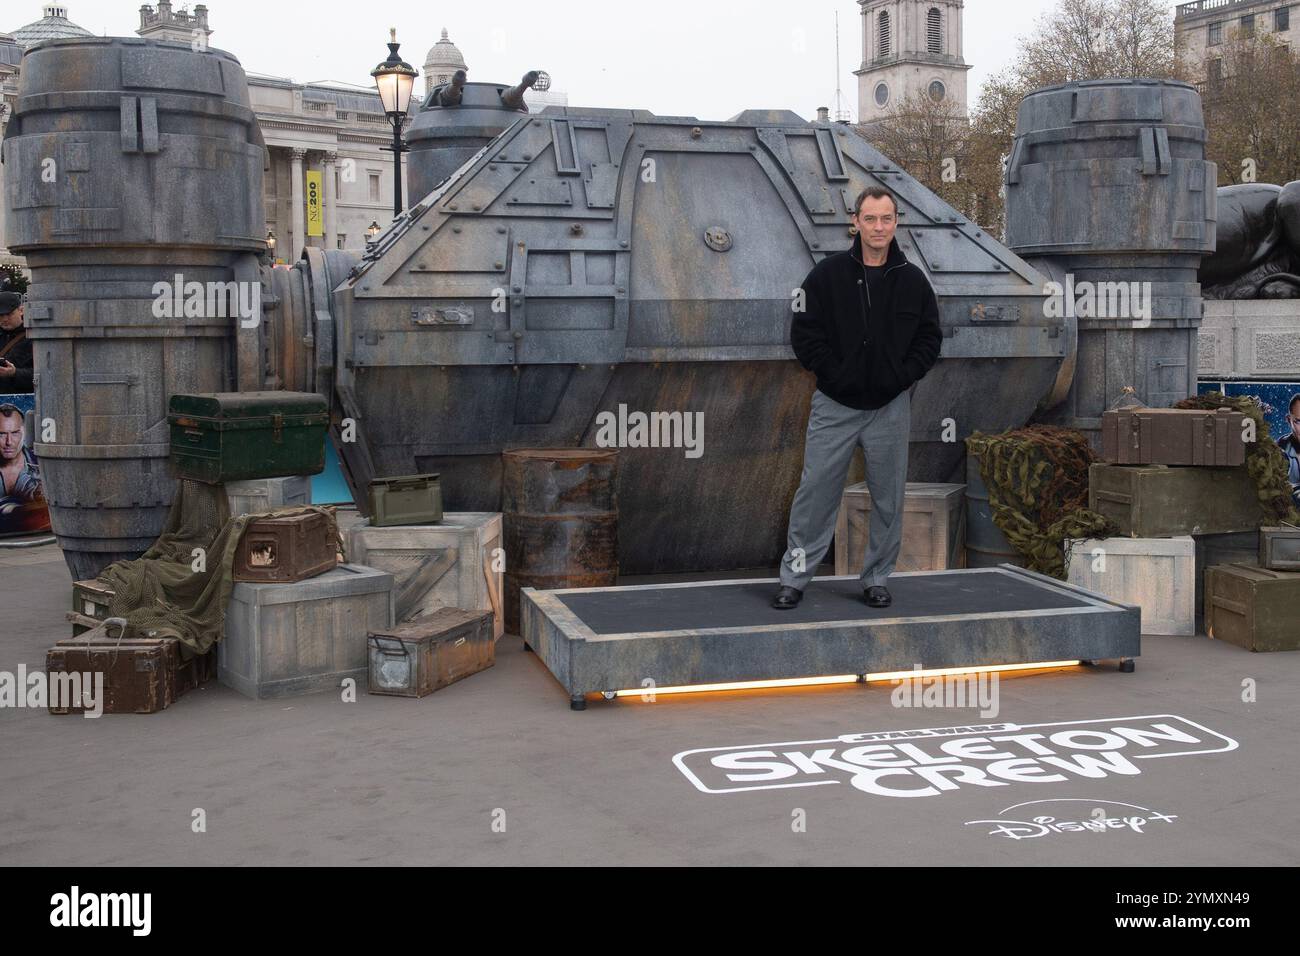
(234, 436)
(1159, 501)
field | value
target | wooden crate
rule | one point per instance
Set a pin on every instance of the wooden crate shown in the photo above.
(90, 601)
(1237, 547)
(452, 564)
(1253, 607)
(1160, 501)
(1157, 574)
(286, 639)
(1173, 436)
(934, 528)
(265, 494)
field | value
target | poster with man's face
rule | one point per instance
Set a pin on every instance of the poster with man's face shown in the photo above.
(23, 509)
(1281, 413)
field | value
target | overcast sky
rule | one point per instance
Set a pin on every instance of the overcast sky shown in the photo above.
(703, 58)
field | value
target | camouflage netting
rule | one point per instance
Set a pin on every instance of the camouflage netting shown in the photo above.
(1037, 480)
(160, 592)
(1265, 461)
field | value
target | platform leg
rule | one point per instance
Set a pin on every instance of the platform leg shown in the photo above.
(578, 702)
(1127, 665)
(1087, 663)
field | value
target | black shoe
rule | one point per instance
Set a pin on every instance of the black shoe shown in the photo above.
(877, 596)
(786, 598)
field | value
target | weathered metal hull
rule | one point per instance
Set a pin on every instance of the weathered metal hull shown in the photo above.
(591, 261)
(615, 262)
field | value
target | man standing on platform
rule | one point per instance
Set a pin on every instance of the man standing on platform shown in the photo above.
(866, 322)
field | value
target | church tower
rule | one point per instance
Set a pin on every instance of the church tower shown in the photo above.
(910, 47)
(178, 26)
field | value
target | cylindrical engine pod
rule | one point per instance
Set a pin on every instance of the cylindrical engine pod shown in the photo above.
(455, 121)
(1109, 194)
(133, 174)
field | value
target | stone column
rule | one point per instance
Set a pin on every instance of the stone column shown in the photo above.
(299, 218)
(330, 226)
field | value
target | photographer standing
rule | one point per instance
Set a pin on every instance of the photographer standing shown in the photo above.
(15, 348)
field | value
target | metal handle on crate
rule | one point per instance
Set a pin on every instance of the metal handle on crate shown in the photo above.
(401, 646)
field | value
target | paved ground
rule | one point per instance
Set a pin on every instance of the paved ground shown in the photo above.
(315, 780)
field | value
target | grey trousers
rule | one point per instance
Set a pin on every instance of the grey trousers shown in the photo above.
(833, 431)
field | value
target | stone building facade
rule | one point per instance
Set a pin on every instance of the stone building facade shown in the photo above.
(1202, 26)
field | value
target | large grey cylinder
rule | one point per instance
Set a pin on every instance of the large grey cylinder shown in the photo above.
(134, 189)
(444, 138)
(1109, 194)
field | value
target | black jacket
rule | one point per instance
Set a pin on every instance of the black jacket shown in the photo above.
(21, 357)
(866, 349)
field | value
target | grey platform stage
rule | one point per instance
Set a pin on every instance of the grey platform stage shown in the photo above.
(609, 639)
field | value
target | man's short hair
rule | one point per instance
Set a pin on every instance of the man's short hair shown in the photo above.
(7, 410)
(874, 192)
(1290, 406)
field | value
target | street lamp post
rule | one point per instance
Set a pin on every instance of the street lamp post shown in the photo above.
(394, 79)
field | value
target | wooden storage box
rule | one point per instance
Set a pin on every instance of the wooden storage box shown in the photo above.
(1253, 607)
(1157, 574)
(1237, 547)
(266, 494)
(90, 600)
(286, 639)
(934, 528)
(286, 549)
(1159, 501)
(231, 436)
(1173, 436)
(417, 658)
(1279, 548)
(452, 564)
(141, 674)
(409, 499)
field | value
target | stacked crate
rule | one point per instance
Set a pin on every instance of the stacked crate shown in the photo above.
(447, 571)
(297, 621)
(455, 563)
(1175, 483)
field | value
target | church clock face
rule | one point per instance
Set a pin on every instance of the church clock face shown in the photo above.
(937, 91)
(882, 94)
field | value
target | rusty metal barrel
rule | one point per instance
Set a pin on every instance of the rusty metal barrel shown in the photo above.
(133, 174)
(986, 545)
(560, 520)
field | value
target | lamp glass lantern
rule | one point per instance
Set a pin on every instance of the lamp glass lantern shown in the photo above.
(394, 79)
